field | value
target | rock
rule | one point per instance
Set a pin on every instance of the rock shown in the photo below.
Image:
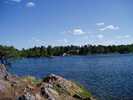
(67, 87)
(52, 87)
(38, 96)
(48, 92)
(29, 96)
(3, 72)
(2, 86)
(21, 97)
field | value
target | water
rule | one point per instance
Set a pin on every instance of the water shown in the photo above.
(108, 77)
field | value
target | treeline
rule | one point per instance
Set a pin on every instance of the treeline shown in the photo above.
(7, 52)
(48, 51)
(74, 50)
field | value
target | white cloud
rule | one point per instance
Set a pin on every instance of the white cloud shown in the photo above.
(100, 36)
(100, 24)
(123, 37)
(109, 27)
(16, 1)
(127, 36)
(63, 41)
(86, 37)
(30, 4)
(8, 42)
(37, 42)
(76, 31)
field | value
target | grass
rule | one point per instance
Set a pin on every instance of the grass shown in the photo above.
(77, 90)
(59, 89)
(31, 80)
(83, 92)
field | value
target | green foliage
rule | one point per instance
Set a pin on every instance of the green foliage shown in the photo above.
(75, 50)
(9, 51)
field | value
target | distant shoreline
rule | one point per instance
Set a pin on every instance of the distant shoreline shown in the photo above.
(71, 50)
(81, 55)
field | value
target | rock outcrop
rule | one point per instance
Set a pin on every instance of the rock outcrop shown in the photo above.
(52, 87)
(3, 72)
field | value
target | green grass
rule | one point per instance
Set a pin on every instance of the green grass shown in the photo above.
(83, 91)
(31, 79)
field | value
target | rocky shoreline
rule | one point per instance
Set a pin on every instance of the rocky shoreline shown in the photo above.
(52, 87)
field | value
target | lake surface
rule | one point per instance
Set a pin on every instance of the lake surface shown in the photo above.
(108, 77)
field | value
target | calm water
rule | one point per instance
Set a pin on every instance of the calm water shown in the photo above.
(108, 77)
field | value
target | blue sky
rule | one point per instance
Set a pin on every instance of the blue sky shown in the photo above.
(28, 23)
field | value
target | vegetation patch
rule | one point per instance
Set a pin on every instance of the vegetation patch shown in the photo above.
(82, 92)
(31, 80)
(59, 89)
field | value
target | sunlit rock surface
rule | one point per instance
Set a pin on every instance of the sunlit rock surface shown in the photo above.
(52, 87)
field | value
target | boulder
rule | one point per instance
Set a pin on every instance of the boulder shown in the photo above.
(52, 87)
(3, 72)
(67, 87)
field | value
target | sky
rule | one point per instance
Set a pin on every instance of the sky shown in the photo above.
(28, 23)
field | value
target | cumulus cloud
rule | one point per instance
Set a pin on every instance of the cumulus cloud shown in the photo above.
(16, 1)
(127, 36)
(100, 24)
(123, 37)
(100, 36)
(30, 4)
(109, 27)
(37, 42)
(63, 40)
(76, 31)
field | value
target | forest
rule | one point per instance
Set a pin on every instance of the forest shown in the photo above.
(43, 51)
